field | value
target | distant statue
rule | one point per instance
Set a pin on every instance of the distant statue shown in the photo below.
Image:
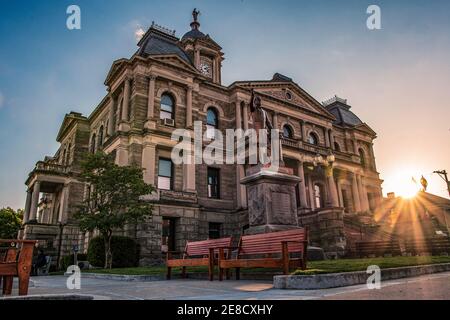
(195, 14)
(424, 184)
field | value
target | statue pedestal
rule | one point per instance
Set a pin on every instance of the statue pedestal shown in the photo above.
(272, 203)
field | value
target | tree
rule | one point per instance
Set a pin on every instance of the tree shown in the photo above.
(114, 199)
(10, 223)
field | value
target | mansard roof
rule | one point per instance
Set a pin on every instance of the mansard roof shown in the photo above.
(341, 110)
(344, 117)
(159, 41)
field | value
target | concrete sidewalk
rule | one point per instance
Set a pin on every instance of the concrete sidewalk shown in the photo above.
(434, 286)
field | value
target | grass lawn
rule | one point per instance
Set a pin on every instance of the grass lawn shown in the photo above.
(349, 265)
(314, 267)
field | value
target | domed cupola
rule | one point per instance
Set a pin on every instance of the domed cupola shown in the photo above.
(195, 33)
(204, 51)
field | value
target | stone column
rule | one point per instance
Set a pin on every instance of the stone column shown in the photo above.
(362, 196)
(26, 214)
(151, 97)
(302, 186)
(111, 116)
(197, 58)
(334, 200)
(189, 107)
(189, 175)
(63, 214)
(331, 138)
(327, 138)
(245, 116)
(303, 128)
(238, 115)
(311, 193)
(355, 146)
(355, 191)
(365, 197)
(215, 72)
(340, 196)
(149, 162)
(241, 189)
(34, 202)
(122, 156)
(126, 100)
(275, 120)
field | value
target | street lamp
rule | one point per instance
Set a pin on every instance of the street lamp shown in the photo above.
(331, 158)
(317, 160)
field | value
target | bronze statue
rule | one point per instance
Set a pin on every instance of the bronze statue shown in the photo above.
(261, 121)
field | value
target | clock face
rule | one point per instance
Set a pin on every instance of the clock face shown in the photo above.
(205, 68)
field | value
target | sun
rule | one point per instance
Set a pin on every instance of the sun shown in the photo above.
(402, 184)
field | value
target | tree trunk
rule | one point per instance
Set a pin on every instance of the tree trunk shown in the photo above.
(108, 252)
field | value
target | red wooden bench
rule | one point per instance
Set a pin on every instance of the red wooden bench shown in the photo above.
(268, 250)
(16, 261)
(198, 253)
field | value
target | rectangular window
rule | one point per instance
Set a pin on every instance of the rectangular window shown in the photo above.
(165, 173)
(215, 230)
(213, 183)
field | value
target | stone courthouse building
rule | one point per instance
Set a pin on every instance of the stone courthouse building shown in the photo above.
(168, 84)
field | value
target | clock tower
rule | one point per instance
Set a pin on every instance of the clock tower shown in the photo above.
(206, 54)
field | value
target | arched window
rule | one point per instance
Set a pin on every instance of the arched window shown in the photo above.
(212, 122)
(92, 148)
(337, 147)
(287, 132)
(100, 137)
(362, 157)
(313, 139)
(318, 196)
(167, 107)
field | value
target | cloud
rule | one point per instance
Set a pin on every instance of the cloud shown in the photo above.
(2, 100)
(139, 33)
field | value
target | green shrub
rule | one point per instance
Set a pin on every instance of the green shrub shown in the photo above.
(67, 261)
(125, 252)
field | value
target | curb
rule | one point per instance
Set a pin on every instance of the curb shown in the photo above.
(148, 278)
(334, 280)
(74, 297)
(122, 277)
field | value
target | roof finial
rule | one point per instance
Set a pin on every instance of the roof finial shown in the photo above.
(195, 24)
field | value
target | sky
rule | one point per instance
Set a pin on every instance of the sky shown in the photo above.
(396, 79)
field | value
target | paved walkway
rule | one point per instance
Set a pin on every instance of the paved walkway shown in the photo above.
(435, 286)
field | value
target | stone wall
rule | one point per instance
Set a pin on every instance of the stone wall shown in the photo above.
(326, 230)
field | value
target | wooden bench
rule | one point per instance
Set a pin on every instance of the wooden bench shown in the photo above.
(268, 250)
(198, 253)
(377, 248)
(17, 261)
(433, 246)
